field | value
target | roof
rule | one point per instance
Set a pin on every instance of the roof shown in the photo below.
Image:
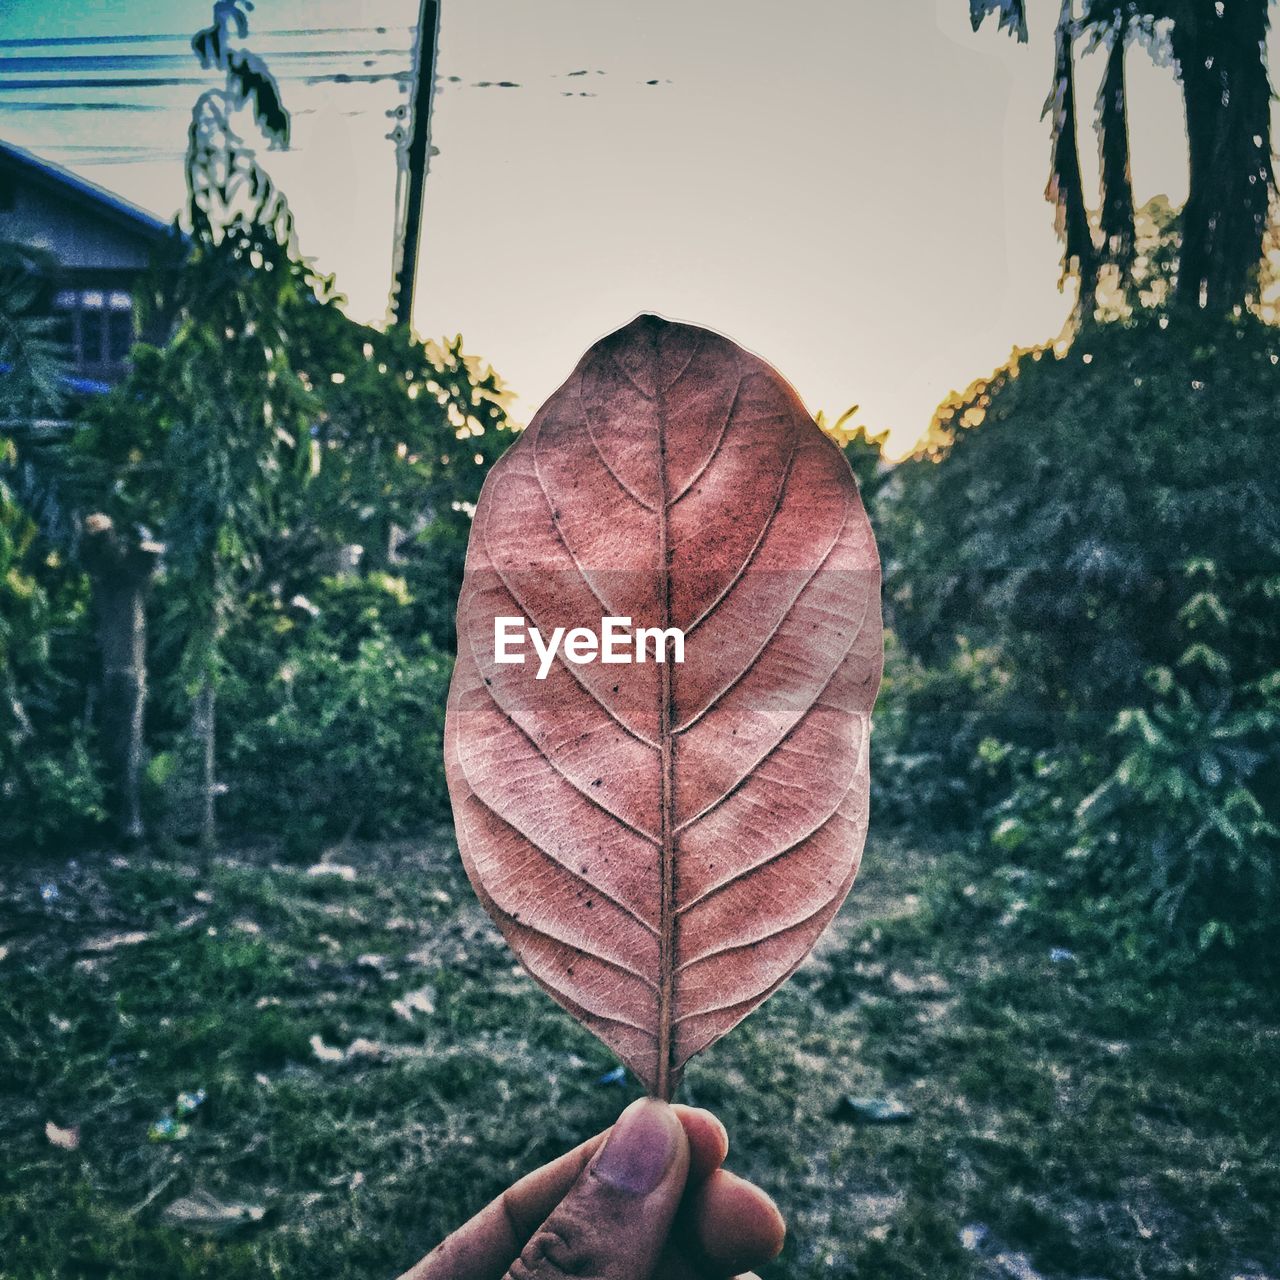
(87, 194)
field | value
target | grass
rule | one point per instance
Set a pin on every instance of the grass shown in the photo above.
(1095, 1119)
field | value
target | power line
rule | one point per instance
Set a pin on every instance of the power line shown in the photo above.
(150, 37)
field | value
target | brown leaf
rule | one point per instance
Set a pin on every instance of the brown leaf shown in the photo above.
(662, 843)
(68, 1139)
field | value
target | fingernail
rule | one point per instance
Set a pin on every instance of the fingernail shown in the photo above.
(640, 1147)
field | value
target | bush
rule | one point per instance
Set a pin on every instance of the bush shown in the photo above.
(339, 744)
(1187, 819)
(52, 798)
(1058, 501)
(929, 725)
(1082, 572)
(51, 792)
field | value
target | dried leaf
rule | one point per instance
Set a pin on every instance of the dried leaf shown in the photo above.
(68, 1139)
(326, 1052)
(663, 842)
(855, 1110)
(113, 941)
(423, 1000)
(205, 1213)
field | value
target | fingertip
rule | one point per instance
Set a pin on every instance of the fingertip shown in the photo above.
(737, 1225)
(708, 1140)
(646, 1145)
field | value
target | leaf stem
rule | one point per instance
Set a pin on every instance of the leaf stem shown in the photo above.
(664, 1085)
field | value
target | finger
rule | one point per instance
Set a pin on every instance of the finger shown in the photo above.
(708, 1141)
(486, 1246)
(730, 1225)
(614, 1221)
(724, 1226)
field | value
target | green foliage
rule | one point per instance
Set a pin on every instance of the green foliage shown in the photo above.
(405, 435)
(291, 440)
(115, 462)
(930, 722)
(345, 735)
(51, 792)
(1098, 523)
(1030, 816)
(32, 360)
(344, 610)
(292, 433)
(52, 796)
(233, 410)
(1187, 818)
(864, 452)
(1057, 528)
(267, 443)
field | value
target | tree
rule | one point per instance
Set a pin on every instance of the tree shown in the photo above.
(76, 497)
(224, 179)
(1217, 48)
(864, 452)
(49, 788)
(235, 414)
(239, 398)
(266, 436)
(129, 466)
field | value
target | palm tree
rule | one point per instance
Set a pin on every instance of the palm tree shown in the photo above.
(235, 212)
(224, 179)
(1217, 49)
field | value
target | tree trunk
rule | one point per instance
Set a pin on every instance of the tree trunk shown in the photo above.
(204, 728)
(1221, 63)
(121, 577)
(1066, 186)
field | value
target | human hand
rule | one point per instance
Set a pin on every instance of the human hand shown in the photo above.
(646, 1200)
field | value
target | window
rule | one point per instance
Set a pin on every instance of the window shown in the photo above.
(97, 325)
(119, 322)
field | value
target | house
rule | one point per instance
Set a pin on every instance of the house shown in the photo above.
(101, 245)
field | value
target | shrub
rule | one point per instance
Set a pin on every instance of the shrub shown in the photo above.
(1188, 819)
(929, 726)
(1166, 830)
(338, 743)
(1099, 528)
(51, 792)
(1058, 501)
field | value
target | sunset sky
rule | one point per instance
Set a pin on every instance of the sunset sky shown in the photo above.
(854, 190)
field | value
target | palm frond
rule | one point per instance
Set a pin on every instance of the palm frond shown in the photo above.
(1012, 15)
(1065, 190)
(1116, 214)
(224, 178)
(33, 362)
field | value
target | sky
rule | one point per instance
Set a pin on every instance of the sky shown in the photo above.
(853, 189)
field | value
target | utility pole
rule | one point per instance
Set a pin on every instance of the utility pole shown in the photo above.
(413, 169)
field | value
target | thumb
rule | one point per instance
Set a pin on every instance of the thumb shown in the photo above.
(615, 1219)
